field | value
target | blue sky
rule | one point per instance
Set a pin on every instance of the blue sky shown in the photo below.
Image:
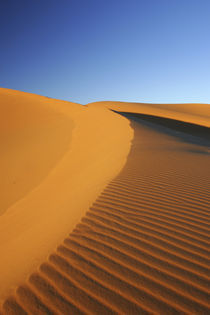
(90, 50)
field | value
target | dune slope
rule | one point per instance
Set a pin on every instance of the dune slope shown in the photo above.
(34, 137)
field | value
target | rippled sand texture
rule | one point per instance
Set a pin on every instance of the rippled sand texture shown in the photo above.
(143, 246)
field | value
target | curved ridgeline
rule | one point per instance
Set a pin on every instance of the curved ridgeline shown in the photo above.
(143, 246)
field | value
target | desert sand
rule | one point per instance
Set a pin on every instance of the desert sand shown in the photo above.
(104, 208)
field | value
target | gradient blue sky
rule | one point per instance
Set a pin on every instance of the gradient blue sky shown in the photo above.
(124, 50)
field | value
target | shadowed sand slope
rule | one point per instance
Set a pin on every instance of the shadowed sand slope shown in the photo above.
(143, 246)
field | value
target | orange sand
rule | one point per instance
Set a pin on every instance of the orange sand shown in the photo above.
(133, 194)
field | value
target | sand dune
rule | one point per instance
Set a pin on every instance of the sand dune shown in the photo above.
(140, 245)
(56, 158)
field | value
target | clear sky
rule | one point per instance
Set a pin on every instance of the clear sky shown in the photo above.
(89, 50)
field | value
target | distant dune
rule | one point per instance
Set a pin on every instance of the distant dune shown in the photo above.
(104, 208)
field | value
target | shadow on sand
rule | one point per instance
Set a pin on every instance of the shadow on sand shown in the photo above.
(182, 131)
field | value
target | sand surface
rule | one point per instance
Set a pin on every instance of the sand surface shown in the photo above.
(111, 216)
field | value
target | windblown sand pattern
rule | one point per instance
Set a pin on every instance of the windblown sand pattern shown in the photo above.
(143, 246)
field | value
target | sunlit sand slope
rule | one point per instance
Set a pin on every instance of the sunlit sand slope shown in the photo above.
(56, 157)
(143, 246)
(34, 137)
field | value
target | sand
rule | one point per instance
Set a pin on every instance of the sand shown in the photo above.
(105, 208)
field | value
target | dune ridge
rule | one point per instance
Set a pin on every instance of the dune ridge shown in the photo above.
(143, 245)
